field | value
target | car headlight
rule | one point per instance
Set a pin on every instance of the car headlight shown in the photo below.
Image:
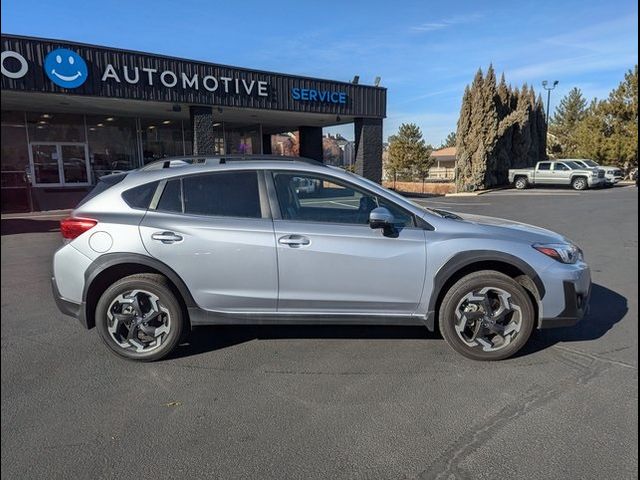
(610, 172)
(562, 252)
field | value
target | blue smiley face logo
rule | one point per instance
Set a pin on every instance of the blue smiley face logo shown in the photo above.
(65, 68)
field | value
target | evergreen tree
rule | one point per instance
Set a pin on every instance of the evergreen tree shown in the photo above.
(407, 152)
(571, 110)
(450, 141)
(621, 111)
(499, 128)
(608, 133)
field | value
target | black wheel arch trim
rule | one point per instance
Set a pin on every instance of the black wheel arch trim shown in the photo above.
(109, 260)
(464, 259)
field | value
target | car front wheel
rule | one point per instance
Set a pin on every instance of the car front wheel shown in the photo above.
(486, 315)
(140, 318)
(579, 183)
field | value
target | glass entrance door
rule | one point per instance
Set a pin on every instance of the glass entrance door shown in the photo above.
(59, 164)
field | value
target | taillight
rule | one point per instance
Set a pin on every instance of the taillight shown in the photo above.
(74, 227)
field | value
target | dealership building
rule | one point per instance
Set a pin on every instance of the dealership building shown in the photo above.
(73, 112)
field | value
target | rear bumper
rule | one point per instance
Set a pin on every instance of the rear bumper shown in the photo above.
(67, 307)
(576, 306)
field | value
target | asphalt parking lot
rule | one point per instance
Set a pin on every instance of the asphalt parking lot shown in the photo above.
(331, 402)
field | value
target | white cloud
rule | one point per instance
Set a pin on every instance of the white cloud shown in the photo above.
(446, 23)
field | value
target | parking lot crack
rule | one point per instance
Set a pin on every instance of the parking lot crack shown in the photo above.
(448, 463)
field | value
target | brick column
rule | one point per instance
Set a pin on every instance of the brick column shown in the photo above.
(311, 142)
(202, 124)
(368, 146)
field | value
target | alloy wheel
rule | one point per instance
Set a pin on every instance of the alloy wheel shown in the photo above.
(137, 320)
(488, 319)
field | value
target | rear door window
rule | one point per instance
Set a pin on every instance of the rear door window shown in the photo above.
(220, 194)
(544, 166)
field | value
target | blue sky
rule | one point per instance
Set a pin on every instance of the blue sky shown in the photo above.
(425, 52)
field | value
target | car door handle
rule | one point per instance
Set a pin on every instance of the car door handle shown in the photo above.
(166, 237)
(294, 241)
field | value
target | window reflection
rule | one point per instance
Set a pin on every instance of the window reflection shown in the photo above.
(161, 138)
(112, 144)
(242, 139)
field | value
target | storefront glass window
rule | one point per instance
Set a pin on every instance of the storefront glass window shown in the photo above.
(161, 138)
(14, 152)
(242, 139)
(55, 127)
(113, 145)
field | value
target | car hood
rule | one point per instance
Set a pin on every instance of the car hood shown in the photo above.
(500, 227)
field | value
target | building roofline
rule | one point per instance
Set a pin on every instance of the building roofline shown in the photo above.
(170, 57)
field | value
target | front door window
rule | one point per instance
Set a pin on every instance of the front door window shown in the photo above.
(59, 164)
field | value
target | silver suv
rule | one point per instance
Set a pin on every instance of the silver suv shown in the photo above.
(234, 240)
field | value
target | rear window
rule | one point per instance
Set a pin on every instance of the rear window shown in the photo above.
(140, 197)
(223, 194)
(104, 183)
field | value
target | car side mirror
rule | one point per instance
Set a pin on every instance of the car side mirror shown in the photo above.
(380, 217)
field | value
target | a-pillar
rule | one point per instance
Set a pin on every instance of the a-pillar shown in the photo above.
(368, 148)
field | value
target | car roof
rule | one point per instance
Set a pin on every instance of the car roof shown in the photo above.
(191, 164)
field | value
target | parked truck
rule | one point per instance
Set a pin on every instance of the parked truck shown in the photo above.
(563, 172)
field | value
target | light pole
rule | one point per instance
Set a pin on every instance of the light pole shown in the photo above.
(548, 88)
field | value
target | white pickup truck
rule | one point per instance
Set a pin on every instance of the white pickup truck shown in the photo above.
(563, 172)
(612, 174)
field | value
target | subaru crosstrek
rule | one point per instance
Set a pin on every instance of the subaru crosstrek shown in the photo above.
(183, 242)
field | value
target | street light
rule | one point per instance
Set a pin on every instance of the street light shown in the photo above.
(548, 88)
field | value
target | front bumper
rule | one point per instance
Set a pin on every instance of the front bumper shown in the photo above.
(577, 294)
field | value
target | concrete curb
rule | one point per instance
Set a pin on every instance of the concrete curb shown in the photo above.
(43, 214)
(476, 193)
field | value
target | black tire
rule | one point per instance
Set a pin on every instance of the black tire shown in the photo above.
(579, 183)
(172, 312)
(521, 183)
(474, 282)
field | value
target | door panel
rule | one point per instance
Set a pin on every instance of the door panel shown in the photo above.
(561, 174)
(349, 269)
(544, 176)
(330, 260)
(45, 163)
(228, 264)
(74, 164)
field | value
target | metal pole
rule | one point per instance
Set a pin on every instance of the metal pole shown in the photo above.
(548, 88)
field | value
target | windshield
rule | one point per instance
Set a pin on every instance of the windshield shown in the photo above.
(573, 165)
(590, 163)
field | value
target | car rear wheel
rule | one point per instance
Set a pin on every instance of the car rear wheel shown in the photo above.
(579, 183)
(486, 315)
(521, 183)
(140, 318)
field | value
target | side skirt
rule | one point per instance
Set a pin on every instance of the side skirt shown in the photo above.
(206, 317)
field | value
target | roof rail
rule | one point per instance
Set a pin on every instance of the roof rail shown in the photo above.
(182, 161)
(267, 157)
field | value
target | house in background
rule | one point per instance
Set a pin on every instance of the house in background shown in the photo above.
(445, 163)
